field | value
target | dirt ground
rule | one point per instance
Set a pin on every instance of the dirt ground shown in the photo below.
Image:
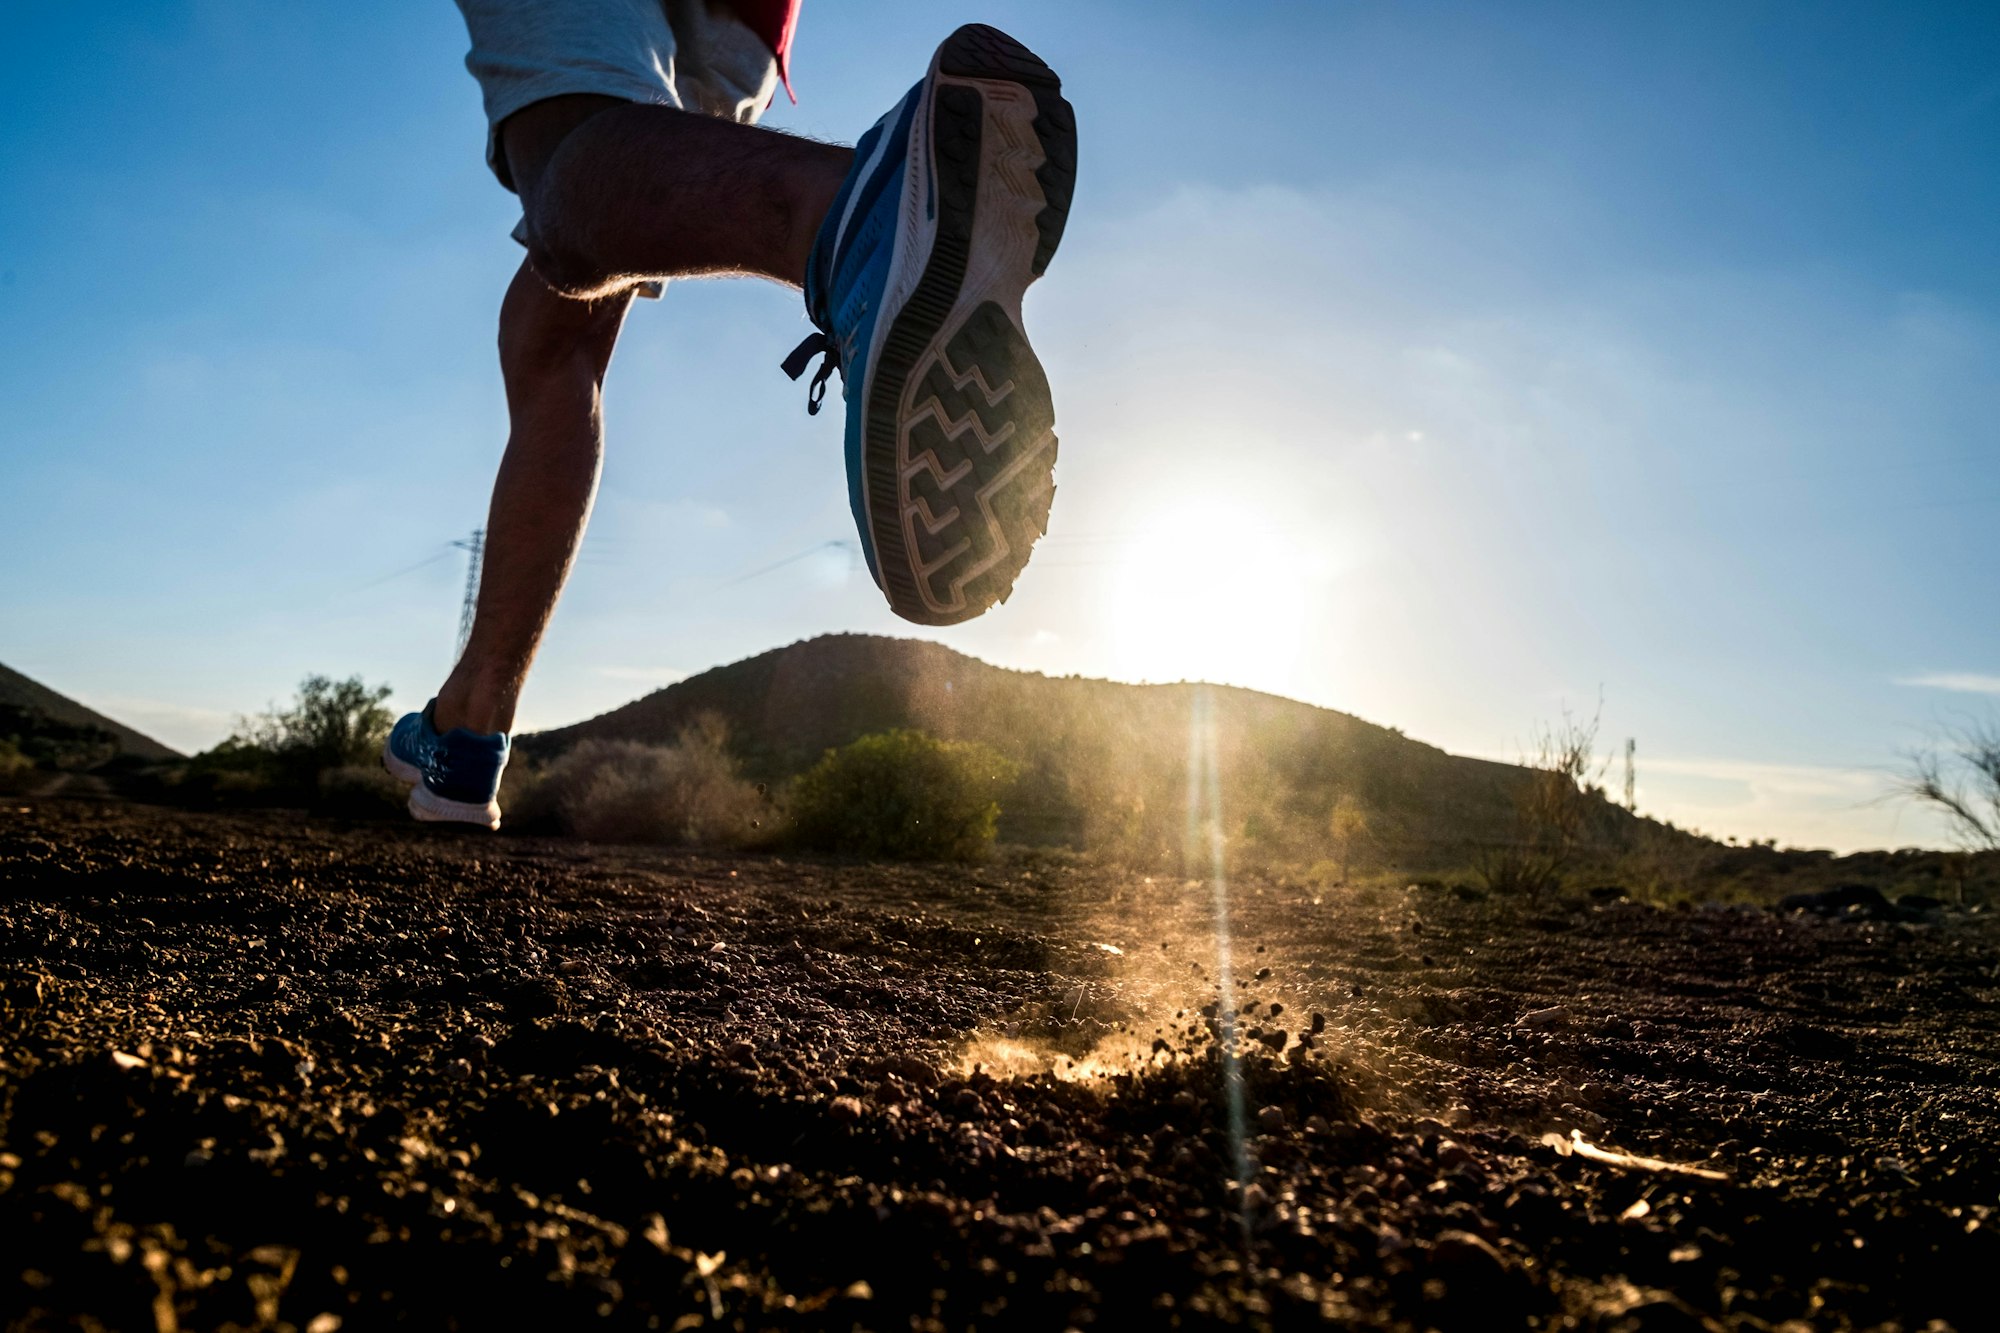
(260, 1072)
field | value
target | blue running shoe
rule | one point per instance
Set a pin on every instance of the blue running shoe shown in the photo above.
(457, 775)
(955, 203)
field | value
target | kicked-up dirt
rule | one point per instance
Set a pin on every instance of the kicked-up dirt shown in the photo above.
(257, 1072)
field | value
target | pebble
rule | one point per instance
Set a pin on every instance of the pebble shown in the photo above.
(1271, 1120)
(1542, 1019)
(1463, 1250)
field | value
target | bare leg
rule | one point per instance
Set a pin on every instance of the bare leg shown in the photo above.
(613, 193)
(630, 192)
(553, 355)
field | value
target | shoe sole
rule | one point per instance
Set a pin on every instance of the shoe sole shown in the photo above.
(959, 445)
(431, 808)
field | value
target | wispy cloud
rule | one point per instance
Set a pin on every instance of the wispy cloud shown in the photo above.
(1963, 682)
(1806, 805)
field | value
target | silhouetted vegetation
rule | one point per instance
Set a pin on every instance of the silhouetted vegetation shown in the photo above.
(324, 747)
(16, 769)
(42, 741)
(1960, 779)
(1555, 807)
(903, 795)
(688, 792)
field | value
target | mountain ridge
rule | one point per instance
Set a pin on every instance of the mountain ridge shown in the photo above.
(29, 698)
(1103, 761)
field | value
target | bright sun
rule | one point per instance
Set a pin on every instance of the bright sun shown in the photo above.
(1208, 591)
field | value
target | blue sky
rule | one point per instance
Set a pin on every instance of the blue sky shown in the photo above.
(1454, 362)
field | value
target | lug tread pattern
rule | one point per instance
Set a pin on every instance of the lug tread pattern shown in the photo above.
(960, 444)
(977, 51)
(980, 437)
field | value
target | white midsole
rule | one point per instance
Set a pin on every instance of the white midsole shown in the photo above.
(432, 808)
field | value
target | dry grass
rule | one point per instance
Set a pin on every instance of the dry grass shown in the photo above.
(690, 792)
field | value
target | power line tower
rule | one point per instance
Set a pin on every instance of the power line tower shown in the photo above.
(1631, 774)
(475, 549)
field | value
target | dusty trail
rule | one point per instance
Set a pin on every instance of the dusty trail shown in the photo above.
(262, 1074)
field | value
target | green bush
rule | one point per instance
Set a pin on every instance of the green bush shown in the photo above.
(902, 795)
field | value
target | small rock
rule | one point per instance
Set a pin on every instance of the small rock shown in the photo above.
(1464, 1251)
(912, 1069)
(1542, 1019)
(1271, 1120)
(844, 1110)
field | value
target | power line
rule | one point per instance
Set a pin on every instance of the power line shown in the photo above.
(409, 569)
(776, 565)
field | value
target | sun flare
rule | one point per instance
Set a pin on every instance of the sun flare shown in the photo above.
(1208, 591)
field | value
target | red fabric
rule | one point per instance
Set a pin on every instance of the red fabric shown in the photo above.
(776, 21)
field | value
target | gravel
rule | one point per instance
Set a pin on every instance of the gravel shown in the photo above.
(264, 1072)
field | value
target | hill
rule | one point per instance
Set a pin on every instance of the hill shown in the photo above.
(1104, 762)
(39, 718)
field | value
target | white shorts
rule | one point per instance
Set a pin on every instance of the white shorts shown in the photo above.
(676, 53)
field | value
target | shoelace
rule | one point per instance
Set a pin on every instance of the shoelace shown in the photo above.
(816, 344)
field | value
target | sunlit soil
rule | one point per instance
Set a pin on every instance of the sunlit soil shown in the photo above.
(263, 1070)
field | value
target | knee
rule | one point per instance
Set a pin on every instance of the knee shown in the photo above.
(559, 257)
(546, 336)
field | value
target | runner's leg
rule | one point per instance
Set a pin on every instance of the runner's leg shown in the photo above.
(617, 191)
(553, 355)
(611, 198)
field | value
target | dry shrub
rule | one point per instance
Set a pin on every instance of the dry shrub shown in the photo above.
(1662, 864)
(1553, 808)
(1960, 780)
(627, 791)
(17, 771)
(361, 791)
